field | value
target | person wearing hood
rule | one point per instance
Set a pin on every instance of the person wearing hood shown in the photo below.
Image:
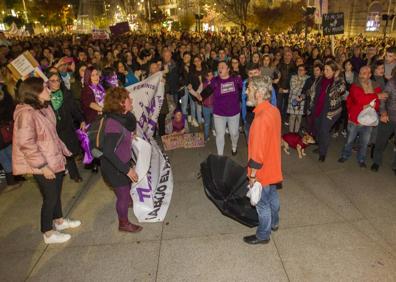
(67, 114)
(38, 150)
(117, 165)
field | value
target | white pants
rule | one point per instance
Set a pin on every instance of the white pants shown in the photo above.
(220, 123)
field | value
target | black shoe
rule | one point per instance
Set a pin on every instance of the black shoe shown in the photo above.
(95, 168)
(374, 167)
(342, 160)
(362, 165)
(322, 158)
(394, 171)
(253, 240)
(234, 153)
(316, 151)
(78, 179)
(275, 228)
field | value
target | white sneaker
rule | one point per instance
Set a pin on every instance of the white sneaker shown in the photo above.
(67, 223)
(189, 119)
(227, 131)
(194, 123)
(214, 133)
(56, 238)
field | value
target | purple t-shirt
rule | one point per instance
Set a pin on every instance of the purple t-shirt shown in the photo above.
(226, 95)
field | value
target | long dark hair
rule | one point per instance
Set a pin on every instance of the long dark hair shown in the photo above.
(87, 75)
(28, 92)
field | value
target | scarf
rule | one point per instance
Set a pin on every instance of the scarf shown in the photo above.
(112, 80)
(57, 99)
(322, 95)
(99, 93)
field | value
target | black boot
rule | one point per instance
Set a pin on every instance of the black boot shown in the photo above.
(10, 179)
(11, 182)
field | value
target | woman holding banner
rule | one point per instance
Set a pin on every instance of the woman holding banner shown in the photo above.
(116, 164)
(92, 98)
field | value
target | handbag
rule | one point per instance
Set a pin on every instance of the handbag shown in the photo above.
(6, 132)
(369, 116)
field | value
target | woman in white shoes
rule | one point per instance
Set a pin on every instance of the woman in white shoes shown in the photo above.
(38, 150)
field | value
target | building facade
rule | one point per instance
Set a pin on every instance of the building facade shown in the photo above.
(365, 16)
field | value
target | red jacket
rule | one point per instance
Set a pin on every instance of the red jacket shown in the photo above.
(357, 99)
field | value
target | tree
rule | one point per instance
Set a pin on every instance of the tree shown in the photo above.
(9, 20)
(279, 19)
(48, 12)
(235, 11)
(186, 21)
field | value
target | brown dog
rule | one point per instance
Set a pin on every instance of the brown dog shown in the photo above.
(295, 141)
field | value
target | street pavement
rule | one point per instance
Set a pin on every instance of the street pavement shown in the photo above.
(337, 223)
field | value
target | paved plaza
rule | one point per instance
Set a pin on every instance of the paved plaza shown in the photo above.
(338, 223)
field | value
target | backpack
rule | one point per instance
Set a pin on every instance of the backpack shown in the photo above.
(96, 137)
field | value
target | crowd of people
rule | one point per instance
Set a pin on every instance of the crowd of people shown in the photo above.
(317, 90)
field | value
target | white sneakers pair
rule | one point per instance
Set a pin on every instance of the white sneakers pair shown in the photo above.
(59, 237)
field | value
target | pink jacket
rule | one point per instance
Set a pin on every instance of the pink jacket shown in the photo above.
(35, 141)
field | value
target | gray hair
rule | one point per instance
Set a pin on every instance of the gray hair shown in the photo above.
(263, 84)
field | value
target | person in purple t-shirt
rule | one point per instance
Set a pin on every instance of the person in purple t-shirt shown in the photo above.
(226, 106)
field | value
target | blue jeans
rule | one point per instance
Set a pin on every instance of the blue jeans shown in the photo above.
(6, 158)
(268, 212)
(184, 101)
(207, 113)
(364, 133)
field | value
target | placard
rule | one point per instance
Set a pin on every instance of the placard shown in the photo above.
(333, 23)
(186, 141)
(24, 66)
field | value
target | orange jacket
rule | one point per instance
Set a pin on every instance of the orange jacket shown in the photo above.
(264, 148)
(35, 142)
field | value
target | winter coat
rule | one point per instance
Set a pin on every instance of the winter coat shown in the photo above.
(334, 93)
(35, 141)
(296, 86)
(358, 99)
(67, 117)
(116, 160)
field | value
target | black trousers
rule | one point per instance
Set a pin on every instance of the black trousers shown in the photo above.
(385, 131)
(161, 124)
(323, 127)
(72, 167)
(51, 190)
(282, 100)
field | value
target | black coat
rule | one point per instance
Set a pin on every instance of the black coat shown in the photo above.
(7, 107)
(67, 116)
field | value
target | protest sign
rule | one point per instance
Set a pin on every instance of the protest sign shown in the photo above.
(333, 23)
(24, 66)
(153, 191)
(186, 141)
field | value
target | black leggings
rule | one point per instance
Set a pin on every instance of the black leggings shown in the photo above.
(52, 207)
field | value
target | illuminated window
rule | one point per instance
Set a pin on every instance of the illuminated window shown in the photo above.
(373, 21)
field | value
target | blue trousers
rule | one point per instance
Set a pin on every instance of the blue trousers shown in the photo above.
(268, 211)
(364, 133)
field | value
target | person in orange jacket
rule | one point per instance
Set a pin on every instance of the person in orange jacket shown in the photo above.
(264, 157)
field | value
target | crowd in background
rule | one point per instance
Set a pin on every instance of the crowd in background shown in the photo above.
(317, 90)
